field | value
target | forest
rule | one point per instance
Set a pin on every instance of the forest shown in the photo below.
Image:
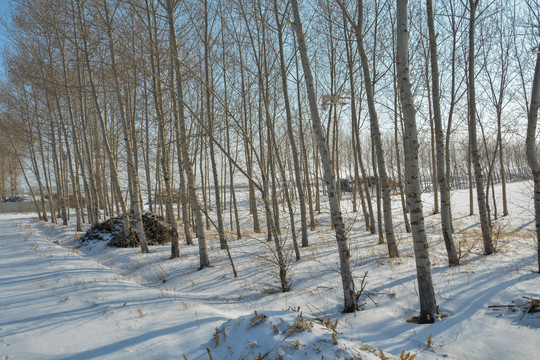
(281, 121)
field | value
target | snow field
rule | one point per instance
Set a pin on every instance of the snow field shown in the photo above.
(64, 301)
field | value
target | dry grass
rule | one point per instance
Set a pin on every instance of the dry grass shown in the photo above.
(467, 241)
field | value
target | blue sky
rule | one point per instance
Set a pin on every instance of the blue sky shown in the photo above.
(4, 6)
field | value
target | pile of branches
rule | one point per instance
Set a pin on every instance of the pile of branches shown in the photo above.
(530, 306)
(112, 231)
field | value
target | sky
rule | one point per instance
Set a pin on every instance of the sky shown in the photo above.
(4, 7)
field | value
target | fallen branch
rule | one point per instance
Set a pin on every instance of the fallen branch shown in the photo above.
(530, 306)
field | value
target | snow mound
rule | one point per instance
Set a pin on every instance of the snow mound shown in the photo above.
(286, 335)
(112, 231)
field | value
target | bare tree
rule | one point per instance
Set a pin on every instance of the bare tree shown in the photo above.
(453, 259)
(496, 53)
(210, 117)
(188, 166)
(475, 152)
(132, 169)
(341, 236)
(428, 304)
(375, 129)
(357, 149)
(531, 144)
(99, 112)
(292, 141)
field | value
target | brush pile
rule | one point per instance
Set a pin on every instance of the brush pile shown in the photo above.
(530, 306)
(112, 231)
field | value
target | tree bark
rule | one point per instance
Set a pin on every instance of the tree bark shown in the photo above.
(531, 146)
(292, 141)
(375, 129)
(453, 259)
(204, 260)
(162, 138)
(132, 169)
(475, 153)
(347, 280)
(210, 116)
(428, 304)
(358, 161)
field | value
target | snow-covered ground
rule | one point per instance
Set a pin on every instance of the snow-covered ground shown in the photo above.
(59, 299)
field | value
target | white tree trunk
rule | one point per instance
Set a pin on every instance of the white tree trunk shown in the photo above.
(114, 172)
(475, 152)
(532, 157)
(328, 175)
(375, 130)
(294, 150)
(188, 166)
(428, 305)
(162, 138)
(453, 259)
(132, 170)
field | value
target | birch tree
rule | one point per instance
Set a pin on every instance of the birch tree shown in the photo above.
(292, 141)
(428, 304)
(204, 260)
(347, 281)
(109, 151)
(475, 152)
(531, 143)
(375, 129)
(446, 227)
(210, 118)
(132, 169)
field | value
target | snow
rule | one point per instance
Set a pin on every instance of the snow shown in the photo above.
(285, 335)
(63, 299)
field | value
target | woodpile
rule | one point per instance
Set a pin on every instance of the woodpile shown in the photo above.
(156, 229)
